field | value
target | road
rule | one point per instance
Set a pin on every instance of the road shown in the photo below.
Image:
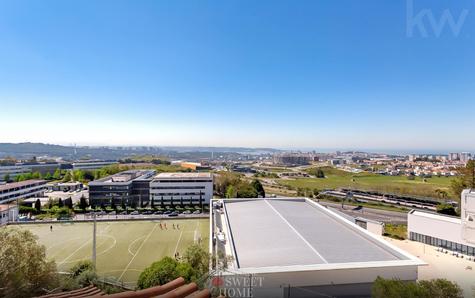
(370, 213)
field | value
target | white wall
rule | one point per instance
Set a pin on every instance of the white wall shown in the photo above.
(207, 191)
(9, 215)
(436, 227)
(468, 216)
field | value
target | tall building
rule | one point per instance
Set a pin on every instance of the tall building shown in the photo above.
(11, 192)
(171, 188)
(465, 157)
(454, 156)
(293, 158)
(128, 187)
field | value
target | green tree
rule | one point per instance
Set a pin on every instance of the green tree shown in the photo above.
(6, 177)
(67, 177)
(465, 179)
(230, 192)
(198, 258)
(319, 173)
(60, 203)
(83, 203)
(113, 206)
(394, 288)
(84, 273)
(38, 205)
(446, 209)
(224, 180)
(245, 190)
(36, 175)
(48, 176)
(57, 174)
(68, 203)
(24, 269)
(159, 273)
(259, 188)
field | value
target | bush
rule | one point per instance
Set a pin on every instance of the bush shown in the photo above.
(158, 273)
(395, 288)
(84, 273)
(80, 267)
(26, 209)
(86, 278)
(446, 209)
(194, 265)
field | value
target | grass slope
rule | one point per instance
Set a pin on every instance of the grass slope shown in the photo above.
(335, 178)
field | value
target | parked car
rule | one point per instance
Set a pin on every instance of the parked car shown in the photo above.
(112, 213)
(186, 212)
(168, 212)
(173, 214)
(123, 213)
(197, 212)
(148, 212)
(134, 212)
(158, 212)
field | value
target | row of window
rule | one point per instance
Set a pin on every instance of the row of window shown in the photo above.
(177, 194)
(18, 196)
(178, 187)
(29, 187)
(180, 181)
(465, 249)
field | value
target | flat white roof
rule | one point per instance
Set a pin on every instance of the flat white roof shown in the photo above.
(437, 217)
(291, 233)
(183, 175)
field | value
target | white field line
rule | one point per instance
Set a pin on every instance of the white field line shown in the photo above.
(80, 247)
(138, 250)
(296, 232)
(178, 242)
(133, 242)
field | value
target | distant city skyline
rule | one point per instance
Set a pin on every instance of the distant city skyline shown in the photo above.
(311, 74)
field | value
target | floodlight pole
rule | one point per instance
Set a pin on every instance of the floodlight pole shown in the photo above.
(94, 240)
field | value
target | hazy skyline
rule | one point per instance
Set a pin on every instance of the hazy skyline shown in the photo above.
(313, 74)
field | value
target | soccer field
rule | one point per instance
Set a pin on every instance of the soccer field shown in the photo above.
(124, 248)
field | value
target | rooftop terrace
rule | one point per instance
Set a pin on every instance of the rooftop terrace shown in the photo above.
(292, 232)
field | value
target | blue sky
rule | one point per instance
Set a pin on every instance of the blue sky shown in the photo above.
(316, 74)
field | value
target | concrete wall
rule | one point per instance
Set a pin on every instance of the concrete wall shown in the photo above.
(9, 215)
(439, 228)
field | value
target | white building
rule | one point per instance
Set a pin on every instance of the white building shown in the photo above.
(289, 247)
(8, 213)
(92, 164)
(175, 186)
(453, 233)
(13, 171)
(465, 157)
(21, 190)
